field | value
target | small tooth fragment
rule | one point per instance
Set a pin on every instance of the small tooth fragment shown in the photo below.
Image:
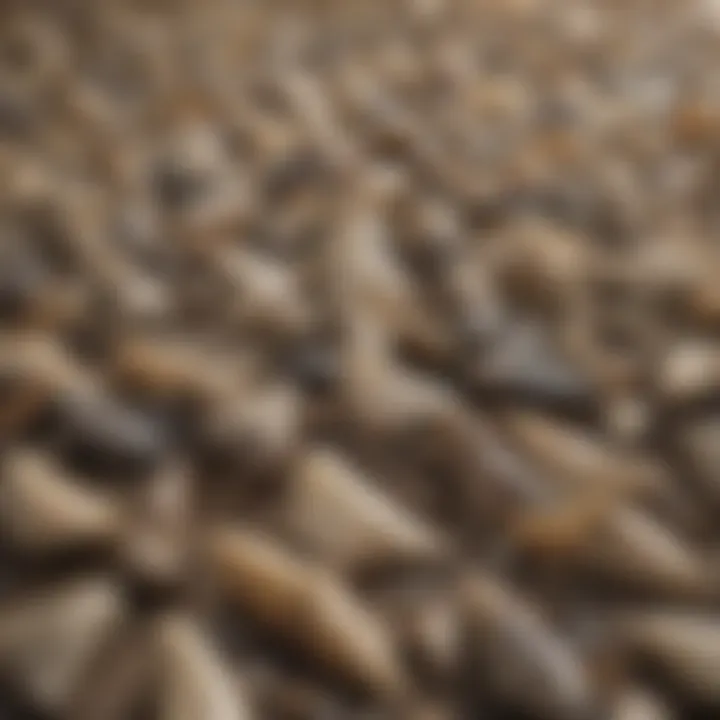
(346, 520)
(685, 647)
(195, 683)
(307, 607)
(47, 642)
(516, 648)
(42, 509)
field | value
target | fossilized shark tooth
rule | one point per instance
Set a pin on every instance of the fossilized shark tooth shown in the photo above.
(634, 551)
(172, 368)
(306, 607)
(48, 640)
(516, 647)
(580, 459)
(346, 520)
(683, 646)
(195, 684)
(44, 509)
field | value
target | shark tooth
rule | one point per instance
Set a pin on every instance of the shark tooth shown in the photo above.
(195, 684)
(43, 509)
(307, 607)
(47, 641)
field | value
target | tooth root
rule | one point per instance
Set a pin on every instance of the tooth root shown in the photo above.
(307, 608)
(195, 684)
(48, 642)
(43, 510)
(506, 633)
(684, 647)
(338, 514)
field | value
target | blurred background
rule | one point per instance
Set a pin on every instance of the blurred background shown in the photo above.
(359, 360)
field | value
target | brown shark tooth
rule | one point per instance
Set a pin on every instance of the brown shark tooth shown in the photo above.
(514, 646)
(195, 684)
(683, 646)
(579, 460)
(43, 509)
(49, 640)
(171, 368)
(633, 551)
(307, 607)
(346, 520)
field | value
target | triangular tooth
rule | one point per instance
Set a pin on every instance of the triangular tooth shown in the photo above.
(346, 520)
(516, 648)
(48, 641)
(308, 608)
(580, 460)
(195, 684)
(42, 509)
(684, 647)
(635, 551)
